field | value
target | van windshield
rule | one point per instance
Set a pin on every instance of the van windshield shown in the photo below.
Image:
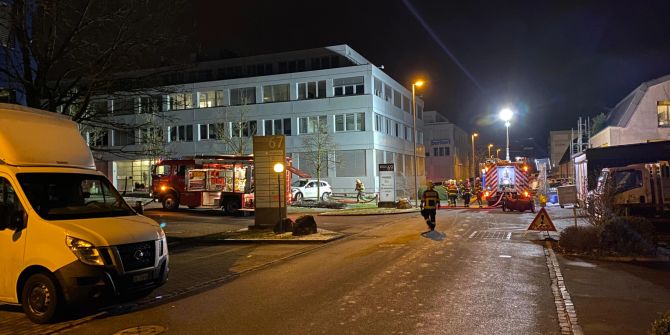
(67, 196)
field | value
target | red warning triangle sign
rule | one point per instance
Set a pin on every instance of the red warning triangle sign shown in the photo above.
(542, 222)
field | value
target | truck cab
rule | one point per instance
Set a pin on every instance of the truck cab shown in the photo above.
(67, 237)
(638, 189)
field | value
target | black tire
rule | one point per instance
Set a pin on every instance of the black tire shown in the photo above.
(298, 197)
(170, 202)
(192, 207)
(41, 298)
(532, 207)
(325, 196)
(232, 206)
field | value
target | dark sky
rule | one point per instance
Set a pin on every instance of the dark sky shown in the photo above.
(551, 61)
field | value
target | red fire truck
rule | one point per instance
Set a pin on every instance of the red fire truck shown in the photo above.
(224, 181)
(506, 184)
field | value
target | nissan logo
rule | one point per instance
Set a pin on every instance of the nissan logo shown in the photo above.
(139, 254)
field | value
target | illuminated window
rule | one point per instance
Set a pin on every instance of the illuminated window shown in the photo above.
(663, 109)
(350, 122)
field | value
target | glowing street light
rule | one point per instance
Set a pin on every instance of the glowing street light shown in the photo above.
(498, 153)
(506, 115)
(473, 153)
(415, 84)
(490, 146)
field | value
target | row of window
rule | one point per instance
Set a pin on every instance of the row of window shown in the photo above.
(237, 97)
(440, 151)
(395, 128)
(399, 100)
(214, 131)
(252, 70)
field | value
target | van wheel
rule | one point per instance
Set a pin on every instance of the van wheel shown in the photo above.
(232, 206)
(41, 299)
(170, 202)
(325, 196)
(298, 197)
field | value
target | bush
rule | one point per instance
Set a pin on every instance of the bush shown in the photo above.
(661, 326)
(628, 236)
(579, 239)
(321, 204)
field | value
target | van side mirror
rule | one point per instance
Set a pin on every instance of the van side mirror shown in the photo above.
(4, 217)
(10, 218)
(17, 219)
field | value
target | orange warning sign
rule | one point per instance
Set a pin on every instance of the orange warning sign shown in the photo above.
(542, 222)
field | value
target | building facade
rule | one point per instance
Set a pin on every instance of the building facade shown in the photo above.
(642, 116)
(559, 142)
(448, 149)
(217, 107)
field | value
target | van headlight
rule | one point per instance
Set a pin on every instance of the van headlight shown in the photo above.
(84, 250)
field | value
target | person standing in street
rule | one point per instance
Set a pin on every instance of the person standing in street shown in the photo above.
(478, 191)
(452, 193)
(430, 201)
(466, 191)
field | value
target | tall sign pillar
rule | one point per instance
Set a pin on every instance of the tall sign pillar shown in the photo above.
(386, 185)
(270, 186)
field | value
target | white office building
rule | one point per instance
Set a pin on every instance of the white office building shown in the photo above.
(366, 113)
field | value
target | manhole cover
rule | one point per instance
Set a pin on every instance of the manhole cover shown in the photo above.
(142, 330)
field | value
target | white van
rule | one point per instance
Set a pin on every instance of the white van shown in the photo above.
(66, 235)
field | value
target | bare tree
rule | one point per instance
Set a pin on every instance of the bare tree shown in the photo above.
(234, 133)
(71, 56)
(320, 151)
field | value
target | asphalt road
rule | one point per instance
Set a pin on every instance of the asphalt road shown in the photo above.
(477, 275)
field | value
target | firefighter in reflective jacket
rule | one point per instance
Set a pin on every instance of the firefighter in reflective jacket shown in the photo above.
(430, 201)
(478, 191)
(466, 193)
(452, 192)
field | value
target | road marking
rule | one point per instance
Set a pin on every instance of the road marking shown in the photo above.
(508, 236)
(473, 234)
(505, 256)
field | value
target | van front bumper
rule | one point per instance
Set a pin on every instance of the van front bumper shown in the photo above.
(82, 283)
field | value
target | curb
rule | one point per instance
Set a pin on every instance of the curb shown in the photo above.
(622, 259)
(366, 214)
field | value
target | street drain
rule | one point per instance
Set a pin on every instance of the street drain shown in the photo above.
(490, 235)
(142, 330)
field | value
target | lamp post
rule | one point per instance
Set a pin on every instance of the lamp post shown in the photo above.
(506, 115)
(498, 153)
(279, 168)
(490, 146)
(415, 84)
(473, 153)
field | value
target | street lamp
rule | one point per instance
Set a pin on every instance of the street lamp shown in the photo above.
(506, 115)
(498, 153)
(279, 168)
(490, 146)
(473, 153)
(415, 84)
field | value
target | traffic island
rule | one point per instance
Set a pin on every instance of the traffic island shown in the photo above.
(246, 235)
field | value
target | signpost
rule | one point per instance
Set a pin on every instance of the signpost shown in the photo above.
(386, 185)
(568, 195)
(268, 151)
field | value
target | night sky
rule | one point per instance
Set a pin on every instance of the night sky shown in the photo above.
(550, 61)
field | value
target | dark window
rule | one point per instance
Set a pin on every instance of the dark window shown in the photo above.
(435, 151)
(282, 67)
(287, 127)
(301, 65)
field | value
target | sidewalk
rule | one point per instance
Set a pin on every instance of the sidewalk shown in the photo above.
(612, 297)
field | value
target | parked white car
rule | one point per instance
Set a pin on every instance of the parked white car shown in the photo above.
(307, 189)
